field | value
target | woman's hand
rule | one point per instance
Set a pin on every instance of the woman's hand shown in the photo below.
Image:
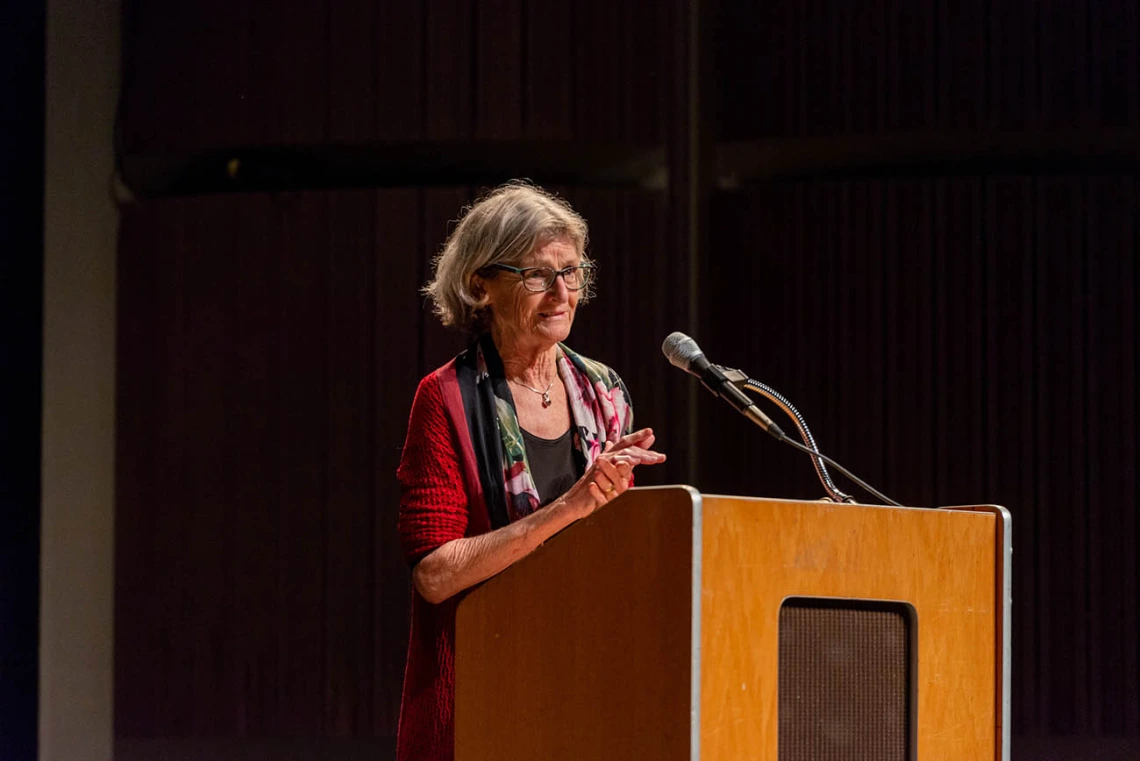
(461, 563)
(611, 473)
(640, 440)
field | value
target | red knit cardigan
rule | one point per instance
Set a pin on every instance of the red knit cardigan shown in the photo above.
(442, 500)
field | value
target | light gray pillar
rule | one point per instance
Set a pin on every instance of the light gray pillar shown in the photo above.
(80, 230)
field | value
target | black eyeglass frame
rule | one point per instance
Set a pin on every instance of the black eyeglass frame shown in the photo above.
(588, 269)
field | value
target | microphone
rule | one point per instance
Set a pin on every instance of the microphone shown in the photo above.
(683, 352)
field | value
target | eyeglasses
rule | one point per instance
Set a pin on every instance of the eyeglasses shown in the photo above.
(539, 279)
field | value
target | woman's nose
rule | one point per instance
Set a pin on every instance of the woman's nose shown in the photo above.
(559, 286)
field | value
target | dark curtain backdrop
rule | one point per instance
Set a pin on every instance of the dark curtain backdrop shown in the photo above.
(960, 341)
(219, 74)
(953, 333)
(269, 351)
(824, 68)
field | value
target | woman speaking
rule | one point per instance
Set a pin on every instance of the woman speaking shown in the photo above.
(510, 442)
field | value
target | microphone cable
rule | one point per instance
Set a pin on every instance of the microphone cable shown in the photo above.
(741, 380)
(860, 482)
(809, 446)
(726, 383)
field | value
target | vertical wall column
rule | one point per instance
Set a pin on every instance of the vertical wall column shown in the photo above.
(80, 229)
(691, 145)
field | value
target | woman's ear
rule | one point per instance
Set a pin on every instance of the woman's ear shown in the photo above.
(478, 289)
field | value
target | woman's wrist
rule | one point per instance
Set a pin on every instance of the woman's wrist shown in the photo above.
(576, 504)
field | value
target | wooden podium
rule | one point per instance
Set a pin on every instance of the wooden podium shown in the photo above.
(676, 625)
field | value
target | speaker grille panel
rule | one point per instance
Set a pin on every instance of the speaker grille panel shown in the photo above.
(844, 681)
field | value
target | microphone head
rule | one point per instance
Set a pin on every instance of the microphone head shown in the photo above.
(680, 350)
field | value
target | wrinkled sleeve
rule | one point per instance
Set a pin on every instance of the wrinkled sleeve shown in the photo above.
(433, 502)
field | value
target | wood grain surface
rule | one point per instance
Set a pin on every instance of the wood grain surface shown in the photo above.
(759, 552)
(582, 650)
(585, 649)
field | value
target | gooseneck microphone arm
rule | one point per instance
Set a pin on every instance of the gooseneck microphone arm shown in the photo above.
(862, 484)
(740, 380)
(683, 352)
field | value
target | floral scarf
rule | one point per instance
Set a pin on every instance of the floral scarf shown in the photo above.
(599, 409)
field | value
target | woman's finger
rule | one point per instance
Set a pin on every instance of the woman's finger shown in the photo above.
(624, 478)
(637, 444)
(643, 438)
(606, 468)
(604, 481)
(597, 494)
(623, 459)
(638, 456)
(609, 472)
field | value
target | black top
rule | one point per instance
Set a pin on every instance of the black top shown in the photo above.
(553, 464)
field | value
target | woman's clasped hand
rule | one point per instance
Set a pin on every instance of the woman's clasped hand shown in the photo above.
(612, 472)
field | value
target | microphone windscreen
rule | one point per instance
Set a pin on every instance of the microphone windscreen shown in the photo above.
(680, 350)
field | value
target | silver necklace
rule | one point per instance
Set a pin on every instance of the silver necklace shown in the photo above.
(544, 394)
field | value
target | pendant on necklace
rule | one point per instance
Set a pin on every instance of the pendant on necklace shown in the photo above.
(546, 399)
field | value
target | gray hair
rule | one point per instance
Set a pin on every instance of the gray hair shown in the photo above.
(502, 227)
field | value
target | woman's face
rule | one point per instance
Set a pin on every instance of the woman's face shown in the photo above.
(534, 321)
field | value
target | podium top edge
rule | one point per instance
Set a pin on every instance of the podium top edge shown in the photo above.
(697, 494)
